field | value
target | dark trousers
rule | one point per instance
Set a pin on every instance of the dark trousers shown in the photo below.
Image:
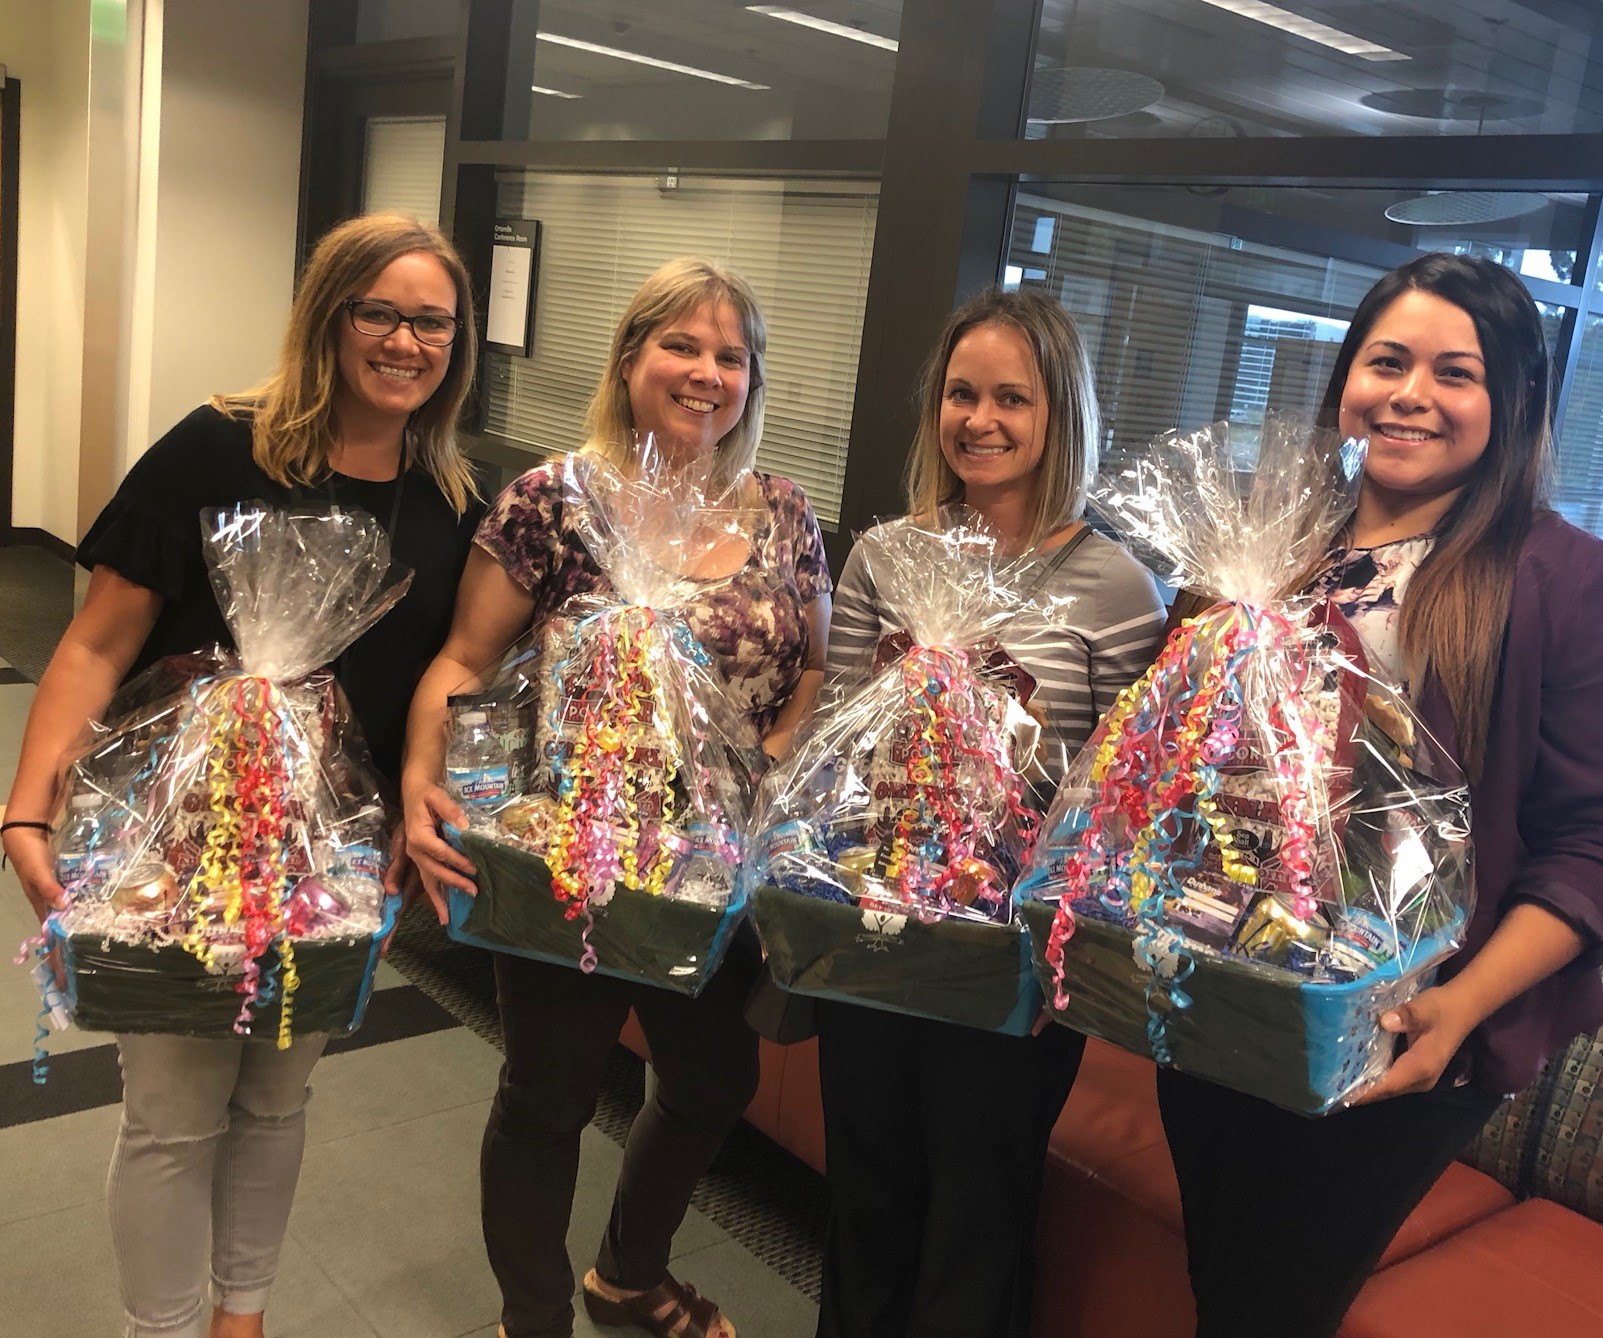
(935, 1136)
(560, 1026)
(1287, 1216)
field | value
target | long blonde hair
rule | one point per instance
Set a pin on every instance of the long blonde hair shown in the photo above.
(679, 287)
(293, 426)
(1073, 425)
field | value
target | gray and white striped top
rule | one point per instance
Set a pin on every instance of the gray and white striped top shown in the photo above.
(1091, 629)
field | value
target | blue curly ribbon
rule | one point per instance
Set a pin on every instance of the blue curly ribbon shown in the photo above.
(1166, 871)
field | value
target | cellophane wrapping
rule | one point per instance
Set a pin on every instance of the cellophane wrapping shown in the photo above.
(222, 837)
(886, 847)
(1261, 849)
(610, 780)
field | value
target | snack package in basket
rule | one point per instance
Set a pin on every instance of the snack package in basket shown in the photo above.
(885, 849)
(607, 773)
(1261, 849)
(222, 839)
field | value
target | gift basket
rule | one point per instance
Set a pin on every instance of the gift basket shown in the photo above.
(606, 772)
(222, 836)
(1261, 849)
(884, 850)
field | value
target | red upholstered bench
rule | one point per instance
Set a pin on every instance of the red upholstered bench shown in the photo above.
(1534, 1269)
(1110, 1247)
(1470, 1261)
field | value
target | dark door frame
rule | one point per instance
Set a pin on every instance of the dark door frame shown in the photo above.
(10, 185)
(345, 87)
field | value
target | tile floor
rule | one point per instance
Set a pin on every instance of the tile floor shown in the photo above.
(384, 1239)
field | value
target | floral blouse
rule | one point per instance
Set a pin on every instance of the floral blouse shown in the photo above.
(1368, 585)
(754, 623)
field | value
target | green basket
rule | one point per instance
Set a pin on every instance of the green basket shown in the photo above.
(953, 970)
(1294, 1042)
(636, 936)
(134, 988)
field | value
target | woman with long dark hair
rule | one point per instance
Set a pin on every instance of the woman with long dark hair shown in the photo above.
(1469, 590)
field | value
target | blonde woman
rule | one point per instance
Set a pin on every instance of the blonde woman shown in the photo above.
(361, 409)
(687, 366)
(936, 1133)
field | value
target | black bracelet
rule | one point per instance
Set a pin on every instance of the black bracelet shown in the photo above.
(37, 826)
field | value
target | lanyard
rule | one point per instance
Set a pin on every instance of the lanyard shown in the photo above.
(393, 528)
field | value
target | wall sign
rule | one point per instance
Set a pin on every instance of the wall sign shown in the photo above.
(514, 270)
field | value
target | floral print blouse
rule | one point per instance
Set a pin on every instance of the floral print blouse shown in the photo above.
(1368, 585)
(755, 623)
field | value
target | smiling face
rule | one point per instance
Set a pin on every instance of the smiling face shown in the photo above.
(689, 382)
(1418, 390)
(387, 377)
(993, 413)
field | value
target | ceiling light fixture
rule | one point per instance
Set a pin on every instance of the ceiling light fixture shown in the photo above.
(825, 26)
(1076, 94)
(552, 92)
(617, 53)
(1465, 208)
(1314, 31)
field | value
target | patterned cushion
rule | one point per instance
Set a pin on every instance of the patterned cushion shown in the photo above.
(1544, 1143)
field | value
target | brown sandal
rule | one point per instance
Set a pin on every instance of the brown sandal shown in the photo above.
(685, 1305)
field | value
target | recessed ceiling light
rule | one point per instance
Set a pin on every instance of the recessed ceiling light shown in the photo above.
(1465, 208)
(1078, 94)
(552, 92)
(1311, 29)
(618, 53)
(825, 26)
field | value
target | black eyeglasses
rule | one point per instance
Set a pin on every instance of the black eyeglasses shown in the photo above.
(380, 318)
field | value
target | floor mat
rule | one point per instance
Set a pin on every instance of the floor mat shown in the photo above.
(35, 606)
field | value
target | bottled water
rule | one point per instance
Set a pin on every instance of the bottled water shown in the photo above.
(477, 768)
(84, 851)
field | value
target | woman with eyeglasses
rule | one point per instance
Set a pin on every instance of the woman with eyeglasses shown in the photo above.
(361, 411)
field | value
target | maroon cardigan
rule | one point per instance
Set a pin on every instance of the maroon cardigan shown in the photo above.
(1537, 812)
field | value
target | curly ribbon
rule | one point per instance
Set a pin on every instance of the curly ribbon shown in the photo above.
(1155, 776)
(938, 828)
(597, 837)
(38, 947)
(244, 858)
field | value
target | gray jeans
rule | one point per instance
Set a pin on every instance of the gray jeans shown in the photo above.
(205, 1169)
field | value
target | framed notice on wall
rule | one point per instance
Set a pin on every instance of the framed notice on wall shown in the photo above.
(514, 273)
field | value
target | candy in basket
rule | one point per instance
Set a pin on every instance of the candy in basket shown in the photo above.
(607, 772)
(221, 838)
(1261, 849)
(886, 848)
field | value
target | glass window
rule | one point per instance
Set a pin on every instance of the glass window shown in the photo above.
(805, 247)
(706, 69)
(1198, 307)
(1578, 493)
(1178, 68)
(402, 166)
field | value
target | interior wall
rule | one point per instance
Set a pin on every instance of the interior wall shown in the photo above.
(227, 183)
(46, 46)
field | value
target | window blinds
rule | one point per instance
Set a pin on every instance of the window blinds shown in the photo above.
(405, 158)
(805, 248)
(1167, 315)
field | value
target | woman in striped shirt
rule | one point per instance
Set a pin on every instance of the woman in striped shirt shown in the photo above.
(936, 1133)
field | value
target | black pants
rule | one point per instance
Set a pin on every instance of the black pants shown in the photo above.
(1287, 1216)
(935, 1136)
(560, 1026)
